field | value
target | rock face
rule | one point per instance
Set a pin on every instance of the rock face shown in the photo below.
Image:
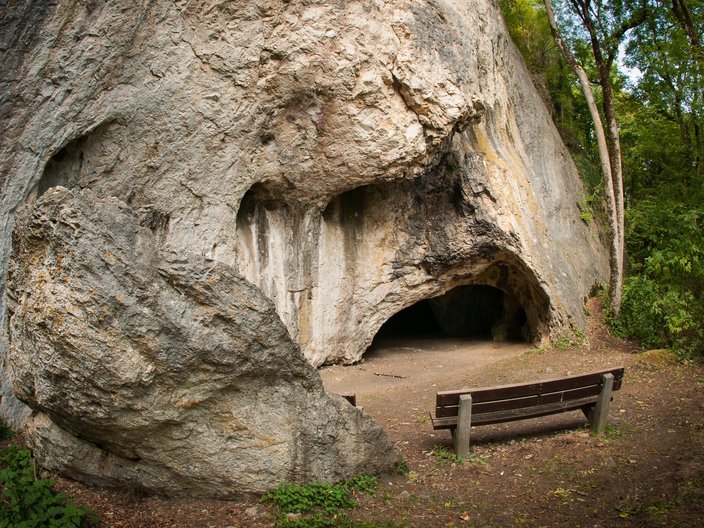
(290, 175)
(165, 369)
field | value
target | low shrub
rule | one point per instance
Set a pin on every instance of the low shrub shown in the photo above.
(321, 505)
(30, 502)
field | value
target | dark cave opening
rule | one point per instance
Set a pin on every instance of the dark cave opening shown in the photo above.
(474, 311)
(418, 320)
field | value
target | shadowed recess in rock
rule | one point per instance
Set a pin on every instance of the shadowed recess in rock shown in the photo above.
(83, 160)
(477, 311)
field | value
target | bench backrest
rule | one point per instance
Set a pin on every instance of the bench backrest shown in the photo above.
(508, 397)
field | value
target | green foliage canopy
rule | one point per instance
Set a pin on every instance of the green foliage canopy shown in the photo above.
(660, 110)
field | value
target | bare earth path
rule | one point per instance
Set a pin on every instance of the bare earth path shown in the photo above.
(397, 381)
(648, 470)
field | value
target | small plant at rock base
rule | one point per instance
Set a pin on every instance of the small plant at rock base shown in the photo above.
(401, 468)
(319, 505)
(585, 211)
(368, 484)
(28, 501)
(566, 342)
(5, 432)
(443, 454)
(311, 498)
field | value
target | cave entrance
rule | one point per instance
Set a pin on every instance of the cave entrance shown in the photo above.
(475, 311)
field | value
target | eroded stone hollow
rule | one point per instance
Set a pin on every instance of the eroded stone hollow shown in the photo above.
(336, 272)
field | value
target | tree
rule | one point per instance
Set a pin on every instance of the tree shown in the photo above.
(603, 26)
(667, 50)
(684, 16)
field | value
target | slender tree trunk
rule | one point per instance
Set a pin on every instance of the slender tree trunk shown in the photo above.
(614, 146)
(612, 205)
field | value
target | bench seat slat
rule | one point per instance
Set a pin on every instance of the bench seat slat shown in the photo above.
(449, 422)
(451, 398)
(519, 403)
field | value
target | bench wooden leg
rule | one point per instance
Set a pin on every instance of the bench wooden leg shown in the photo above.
(460, 435)
(597, 418)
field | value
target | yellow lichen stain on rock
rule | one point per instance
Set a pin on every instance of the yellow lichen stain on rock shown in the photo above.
(111, 257)
(267, 441)
(188, 404)
(56, 316)
(305, 321)
(484, 146)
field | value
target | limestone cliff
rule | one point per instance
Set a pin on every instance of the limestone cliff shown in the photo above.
(324, 163)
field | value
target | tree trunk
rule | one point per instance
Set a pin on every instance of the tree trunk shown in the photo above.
(684, 16)
(614, 146)
(615, 211)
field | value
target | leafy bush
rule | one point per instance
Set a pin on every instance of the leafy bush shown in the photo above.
(663, 300)
(639, 318)
(28, 502)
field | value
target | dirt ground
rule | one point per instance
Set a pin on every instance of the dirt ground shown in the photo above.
(647, 470)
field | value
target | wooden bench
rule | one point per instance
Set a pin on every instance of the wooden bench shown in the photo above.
(352, 398)
(458, 410)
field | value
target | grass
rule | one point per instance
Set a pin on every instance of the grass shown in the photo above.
(401, 468)
(556, 467)
(567, 342)
(658, 509)
(655, 510)
(611, 432)
(423, 419)
(443, 454)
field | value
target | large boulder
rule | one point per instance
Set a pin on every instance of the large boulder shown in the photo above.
(161, 368)
(337, 161)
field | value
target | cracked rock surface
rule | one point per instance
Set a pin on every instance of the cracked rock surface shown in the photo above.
(161, 369)
(275, 180)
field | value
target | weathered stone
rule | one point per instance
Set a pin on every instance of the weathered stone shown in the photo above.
(171, 365)
(347, 159)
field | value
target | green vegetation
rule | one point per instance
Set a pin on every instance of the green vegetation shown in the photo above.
(570, 341)
(611, 432)
(312, 498)
(368, 484)
(658, 97)
(401, 468)
(444, 455)
(5, 432)
(690, 495)
(663, 305)
(27, 501)
(322, 505)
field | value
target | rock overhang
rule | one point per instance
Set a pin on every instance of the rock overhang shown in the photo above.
(346, 160)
